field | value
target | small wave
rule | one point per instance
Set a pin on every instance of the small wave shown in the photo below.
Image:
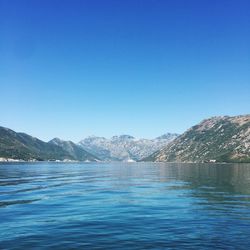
(16, 202)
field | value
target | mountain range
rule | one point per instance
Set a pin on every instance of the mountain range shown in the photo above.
(124, 147)
(21, 146)
(217, 139)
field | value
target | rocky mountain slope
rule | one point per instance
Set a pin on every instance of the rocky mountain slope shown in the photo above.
(25, 147)
(221, 139)
(124, 147)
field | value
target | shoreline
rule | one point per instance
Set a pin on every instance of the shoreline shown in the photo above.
(9, 161)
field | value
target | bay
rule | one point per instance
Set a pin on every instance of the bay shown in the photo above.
(124, 206)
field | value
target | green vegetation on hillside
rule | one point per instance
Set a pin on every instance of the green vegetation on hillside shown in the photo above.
(25, 147)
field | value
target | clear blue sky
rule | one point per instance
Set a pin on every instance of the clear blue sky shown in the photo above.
(76, 68)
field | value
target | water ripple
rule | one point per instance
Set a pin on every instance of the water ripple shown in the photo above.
(126, 206)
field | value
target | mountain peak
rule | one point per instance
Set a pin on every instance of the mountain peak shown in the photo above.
(25, 147)
(56, 140)
(123, 147)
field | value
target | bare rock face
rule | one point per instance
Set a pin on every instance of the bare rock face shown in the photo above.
(217, 139)
(124, 147)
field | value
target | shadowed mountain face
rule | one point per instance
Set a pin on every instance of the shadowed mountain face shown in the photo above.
(25, 147)
(221, 139)
(124, 147)
(74, 150)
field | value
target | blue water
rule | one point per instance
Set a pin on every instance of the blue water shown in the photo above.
(124, 206)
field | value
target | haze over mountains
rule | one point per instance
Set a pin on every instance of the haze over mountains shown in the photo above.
(21, 146)
(124, 147)
(220, 139)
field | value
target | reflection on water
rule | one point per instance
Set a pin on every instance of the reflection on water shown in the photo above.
(127, 206)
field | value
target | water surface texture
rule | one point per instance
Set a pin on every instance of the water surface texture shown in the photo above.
(124, 206)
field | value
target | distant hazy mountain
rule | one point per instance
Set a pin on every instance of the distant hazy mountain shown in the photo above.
(74, 150)
(222, 139)
(25, 147)
(124, 147)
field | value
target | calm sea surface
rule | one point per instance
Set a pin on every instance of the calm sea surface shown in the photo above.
(124, 206)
